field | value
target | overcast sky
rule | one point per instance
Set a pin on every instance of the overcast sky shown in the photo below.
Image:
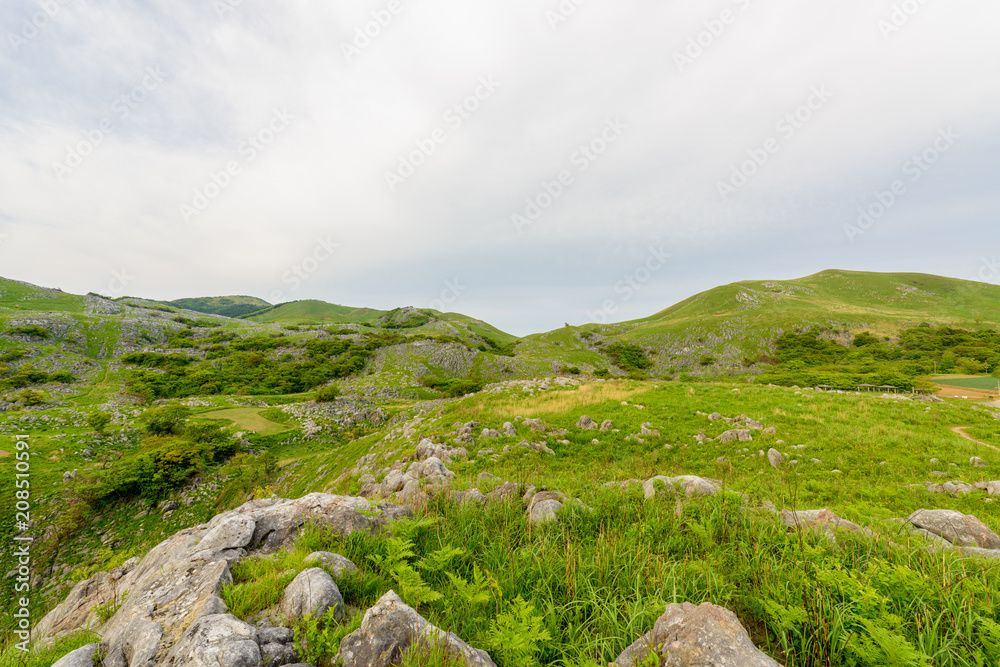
(519, 161)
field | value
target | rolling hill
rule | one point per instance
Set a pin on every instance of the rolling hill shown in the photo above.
(229, 306)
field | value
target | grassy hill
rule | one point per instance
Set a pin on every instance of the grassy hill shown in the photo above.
(310, 311)
(229, 306)
(734, 322)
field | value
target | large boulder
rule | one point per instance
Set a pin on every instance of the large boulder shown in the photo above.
(774, 457)
(962, 530)
(81, 657)
(391, 628)
(587, 424)
(702, 636)
(311, 593)
(179, 580)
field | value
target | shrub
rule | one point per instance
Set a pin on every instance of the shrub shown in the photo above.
(166, 420)
(99, 421)
(628, 357)
(31, 330)
(327, 394)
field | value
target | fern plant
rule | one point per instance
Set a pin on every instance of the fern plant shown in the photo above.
(516, 635)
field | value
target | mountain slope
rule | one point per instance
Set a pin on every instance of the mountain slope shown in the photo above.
(229, 306)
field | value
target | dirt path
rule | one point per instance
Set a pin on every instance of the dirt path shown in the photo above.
(961, 431)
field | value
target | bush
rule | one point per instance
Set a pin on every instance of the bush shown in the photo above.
(99, 421)
(628, 357)
(327, 394)
(32, 330)
(166, 420)
(32, 397)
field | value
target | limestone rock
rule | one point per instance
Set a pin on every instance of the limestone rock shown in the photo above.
(702, 636)
(774, 457)
(690, 484)
(586, 423)
(962, 530)
(391, 628)
(81, 657)
(312, 593)
(333, 563)
(217, 640)
(544, 506)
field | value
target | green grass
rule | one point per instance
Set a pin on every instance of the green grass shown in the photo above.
(984, 383)
(248, 419)
(13, 657)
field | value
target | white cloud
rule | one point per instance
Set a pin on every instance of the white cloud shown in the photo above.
(325, 173)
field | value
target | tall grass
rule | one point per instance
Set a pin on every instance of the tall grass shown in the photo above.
(598, 579)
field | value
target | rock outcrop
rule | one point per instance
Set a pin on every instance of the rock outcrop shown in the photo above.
(962, 530)
(177, 584)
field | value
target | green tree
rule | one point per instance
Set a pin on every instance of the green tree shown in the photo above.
(99, 421)
(166, 420)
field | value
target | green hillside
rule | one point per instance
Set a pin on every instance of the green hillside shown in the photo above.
(310, 311)
(229, 306)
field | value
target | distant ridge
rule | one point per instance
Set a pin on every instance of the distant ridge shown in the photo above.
(228, 306)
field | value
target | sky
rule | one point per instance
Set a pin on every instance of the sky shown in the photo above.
(529, 163)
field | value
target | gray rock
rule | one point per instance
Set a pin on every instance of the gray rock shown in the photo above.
(740, 434)
(702, 636)
(277, 655)
(505, 491)
(138, 641)
(962, 530)
(234, 532)
(509, 429)
(216, 640)
(607, 425)
(81, 657)
(333, 563)
(472, 495)
(391, 628)
(690, 484)
(586, 423)
(167, 506)
(275, 635)
(774, 457)
(312, 593)
(977, 462)
(544, 506)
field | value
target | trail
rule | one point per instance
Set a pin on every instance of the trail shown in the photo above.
(961, 431)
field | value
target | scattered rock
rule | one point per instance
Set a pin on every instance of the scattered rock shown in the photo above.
(689, 484)
(509, 430)
(544, 506)
(607, 425)
(774, 457)
(696, 636)
(312, 592)
(586, 423)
